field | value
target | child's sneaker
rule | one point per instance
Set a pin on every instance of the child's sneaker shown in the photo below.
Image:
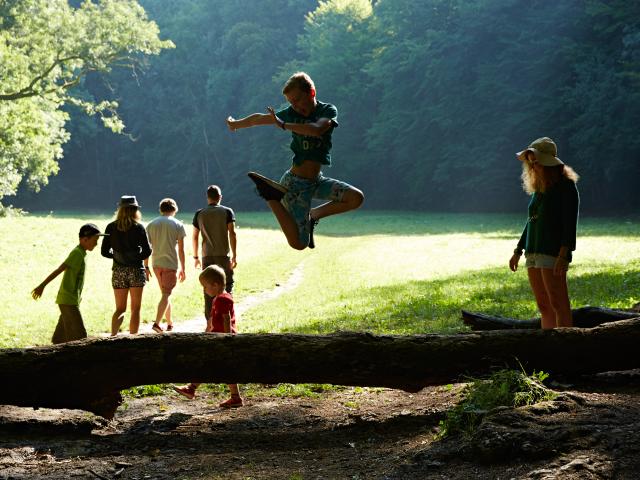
(187, 391)
(268, 189)
(312, 225)
(156, 328)
(233, 402)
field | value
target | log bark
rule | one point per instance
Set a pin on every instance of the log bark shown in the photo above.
(584, 317)
(89, 374)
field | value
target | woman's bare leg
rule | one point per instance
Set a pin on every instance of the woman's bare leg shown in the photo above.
(558, 294)
(539, 290)
(136, 304)
(117, 318)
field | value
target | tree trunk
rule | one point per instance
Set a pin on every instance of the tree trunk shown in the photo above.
(585, 317)
(89, 374)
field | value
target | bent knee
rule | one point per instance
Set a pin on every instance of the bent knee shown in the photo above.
(354, 198)
(297, 245)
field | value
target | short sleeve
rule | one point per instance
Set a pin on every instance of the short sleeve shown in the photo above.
(181, 231)
(74, 260)
(230, 216)
(330, 112)
(223, 305)
(285, 114)
(194, 222)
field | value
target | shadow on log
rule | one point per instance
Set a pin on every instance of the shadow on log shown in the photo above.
(89, 374)
(585, 317)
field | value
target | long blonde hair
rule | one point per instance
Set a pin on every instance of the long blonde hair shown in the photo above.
(532, 182)
(126, 217)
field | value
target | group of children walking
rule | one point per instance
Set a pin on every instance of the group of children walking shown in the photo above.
(547, 241)
(130, 246)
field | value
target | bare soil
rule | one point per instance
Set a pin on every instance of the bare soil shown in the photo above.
(591, 431)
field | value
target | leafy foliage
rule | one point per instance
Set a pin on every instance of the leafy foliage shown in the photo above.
(505, 388)
(434, 98)
(146, 391)
(47, 48)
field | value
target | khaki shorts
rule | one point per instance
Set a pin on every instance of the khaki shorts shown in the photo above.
(167, 278)
(540, 260)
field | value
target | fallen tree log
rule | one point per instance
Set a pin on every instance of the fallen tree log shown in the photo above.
(89, 374)
(584, 317)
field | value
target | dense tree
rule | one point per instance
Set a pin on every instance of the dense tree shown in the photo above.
(434, 99)
(47, 48)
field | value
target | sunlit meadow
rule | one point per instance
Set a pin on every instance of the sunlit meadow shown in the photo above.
(382, 272)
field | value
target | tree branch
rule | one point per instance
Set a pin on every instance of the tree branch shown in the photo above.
(29, 91)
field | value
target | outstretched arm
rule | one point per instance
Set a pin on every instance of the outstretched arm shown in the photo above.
(37, 292)
(252, 120)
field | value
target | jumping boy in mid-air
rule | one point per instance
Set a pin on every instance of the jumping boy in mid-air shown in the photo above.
(311, 123)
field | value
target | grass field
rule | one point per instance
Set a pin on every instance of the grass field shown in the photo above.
(383, 272)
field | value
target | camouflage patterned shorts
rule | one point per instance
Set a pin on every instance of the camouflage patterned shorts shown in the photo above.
(297, 200)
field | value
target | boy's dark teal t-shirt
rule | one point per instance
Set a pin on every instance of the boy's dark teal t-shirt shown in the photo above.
(70, 291)
(311, 148)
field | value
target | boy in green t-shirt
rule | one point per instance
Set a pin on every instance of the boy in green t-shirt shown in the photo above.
(311, 123)
(70, 325)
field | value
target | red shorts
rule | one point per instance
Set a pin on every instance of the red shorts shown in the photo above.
(167, 278)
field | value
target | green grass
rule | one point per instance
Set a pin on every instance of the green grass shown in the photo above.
(383, 272)
(417, 279)
(32, 246)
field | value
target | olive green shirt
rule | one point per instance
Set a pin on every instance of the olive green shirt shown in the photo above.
(70, 291)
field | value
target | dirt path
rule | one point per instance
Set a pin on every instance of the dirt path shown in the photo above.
(197, 324)
(348, 433)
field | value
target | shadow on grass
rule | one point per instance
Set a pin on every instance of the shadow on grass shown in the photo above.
(496, 225)
(402, 222)
(417, 307)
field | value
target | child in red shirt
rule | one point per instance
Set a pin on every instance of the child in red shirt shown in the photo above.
(221, 320)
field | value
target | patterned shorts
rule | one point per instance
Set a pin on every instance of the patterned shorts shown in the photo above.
(127, 277)
(297, 200)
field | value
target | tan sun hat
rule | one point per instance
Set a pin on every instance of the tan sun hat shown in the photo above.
(545, 151)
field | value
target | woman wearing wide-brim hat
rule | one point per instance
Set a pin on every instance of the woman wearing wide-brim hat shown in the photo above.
(128, 246)
(549, 236)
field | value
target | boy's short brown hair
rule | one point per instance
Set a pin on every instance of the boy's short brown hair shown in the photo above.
(213, 274)
(213, 192)
(168, 205)
(299, 80)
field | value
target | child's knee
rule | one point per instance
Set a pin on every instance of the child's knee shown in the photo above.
(296, 244)
(354, 198)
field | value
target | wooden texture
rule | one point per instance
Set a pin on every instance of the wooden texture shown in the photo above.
(89, 374)
(584, 317)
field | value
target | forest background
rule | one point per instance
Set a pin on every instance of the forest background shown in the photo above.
(434, 99)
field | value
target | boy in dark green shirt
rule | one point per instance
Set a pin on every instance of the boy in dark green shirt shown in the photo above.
(311, 123)
(70, 324)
